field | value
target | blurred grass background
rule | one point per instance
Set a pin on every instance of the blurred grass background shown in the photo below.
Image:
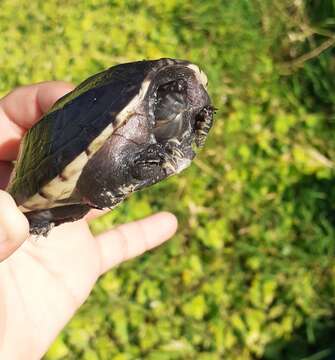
(251, 272)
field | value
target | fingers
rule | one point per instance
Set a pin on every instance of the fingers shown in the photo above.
(130, 240)
(14, 227)
(26, 104)
(93, 214)
(22, 108)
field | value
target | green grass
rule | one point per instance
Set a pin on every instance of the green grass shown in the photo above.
(251, 271)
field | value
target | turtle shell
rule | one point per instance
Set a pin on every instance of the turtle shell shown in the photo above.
(70, 128)
(72, 136)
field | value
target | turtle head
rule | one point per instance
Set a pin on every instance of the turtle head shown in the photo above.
(181, 111)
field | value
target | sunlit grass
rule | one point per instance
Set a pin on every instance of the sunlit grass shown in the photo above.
(251, 269)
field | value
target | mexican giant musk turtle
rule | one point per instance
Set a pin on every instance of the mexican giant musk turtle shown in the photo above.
(119, 131)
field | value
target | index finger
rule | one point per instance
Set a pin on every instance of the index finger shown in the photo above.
(22, 108)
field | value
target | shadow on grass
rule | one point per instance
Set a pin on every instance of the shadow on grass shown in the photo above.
(315, 340)
(318, 344)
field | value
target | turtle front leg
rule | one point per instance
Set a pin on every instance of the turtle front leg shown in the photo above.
(42, 221)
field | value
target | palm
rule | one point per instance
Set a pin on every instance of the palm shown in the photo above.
(43, 283)
(46, 280)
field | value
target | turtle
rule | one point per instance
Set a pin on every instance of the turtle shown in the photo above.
(119, 131)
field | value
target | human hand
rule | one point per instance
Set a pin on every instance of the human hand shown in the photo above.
(42, 283)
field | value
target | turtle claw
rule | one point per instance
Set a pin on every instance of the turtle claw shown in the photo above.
(174, 155)
(170, 166)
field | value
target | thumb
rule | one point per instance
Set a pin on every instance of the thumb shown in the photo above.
(14, 227)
